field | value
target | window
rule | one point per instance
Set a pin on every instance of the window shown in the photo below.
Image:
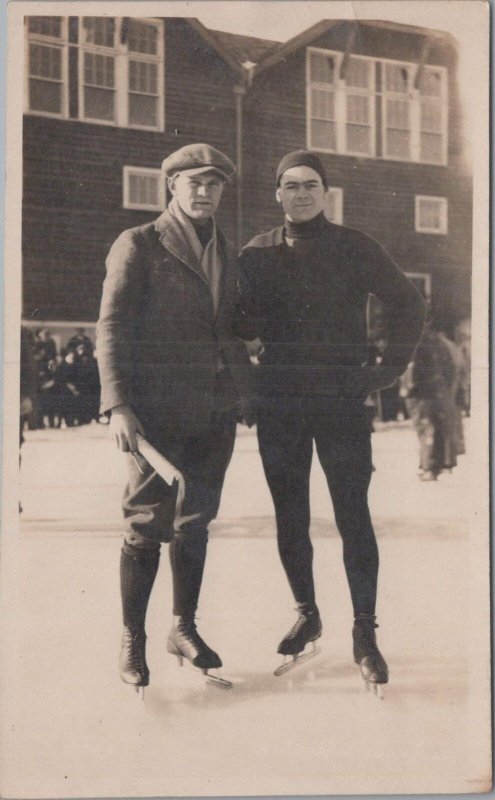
(334, 205)
(46, 73)
(430, 214)
(322, 72)
(398, 119)
(144, 189)
(143, 89)
(118, 78)
(372, 107)
(432, 121)
(359, 106)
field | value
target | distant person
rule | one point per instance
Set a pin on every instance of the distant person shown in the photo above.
(28, 385)
(304, 290)
(88, 384)
(80, 339)
(428, 387)
(69, 393)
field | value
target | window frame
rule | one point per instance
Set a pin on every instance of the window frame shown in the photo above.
(58, 42)
(129, 170)
(338, 192)
(102, 50)
(159, 60)
(444, 214)
(122, 57)
(340, 105)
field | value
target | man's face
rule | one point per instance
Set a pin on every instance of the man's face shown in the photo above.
(301, 193)
(198, 195)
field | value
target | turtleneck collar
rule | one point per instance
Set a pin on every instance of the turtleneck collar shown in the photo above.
(305, 230)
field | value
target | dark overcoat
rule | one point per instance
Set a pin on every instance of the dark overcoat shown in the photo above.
(159, 339)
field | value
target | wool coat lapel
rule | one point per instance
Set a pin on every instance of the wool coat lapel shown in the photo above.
(171, 237)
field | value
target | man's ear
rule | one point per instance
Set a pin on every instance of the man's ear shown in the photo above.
(278, 195)
(171, 185)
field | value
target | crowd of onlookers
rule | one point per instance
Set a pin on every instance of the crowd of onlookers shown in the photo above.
(61, 388)
(58, 387)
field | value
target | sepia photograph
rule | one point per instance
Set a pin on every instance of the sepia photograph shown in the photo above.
(245, 537)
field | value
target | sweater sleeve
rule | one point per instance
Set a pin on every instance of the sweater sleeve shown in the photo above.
(405, 308)
(123, 294)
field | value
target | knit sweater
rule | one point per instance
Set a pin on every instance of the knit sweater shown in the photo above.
(306, 298)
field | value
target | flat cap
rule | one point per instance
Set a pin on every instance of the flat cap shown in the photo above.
(196, 158)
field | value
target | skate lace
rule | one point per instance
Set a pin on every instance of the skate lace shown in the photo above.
(189, 631)
(136, 651)
(298, 625)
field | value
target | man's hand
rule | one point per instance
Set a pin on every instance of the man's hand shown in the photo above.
(254, 349)
(123, 428)
(361, 381)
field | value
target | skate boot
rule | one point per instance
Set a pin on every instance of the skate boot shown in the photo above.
(133, 667)
(307, 628)
(137, 574)
(185, 642)
(374, 670)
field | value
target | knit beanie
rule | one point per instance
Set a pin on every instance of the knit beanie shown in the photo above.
(302, 158)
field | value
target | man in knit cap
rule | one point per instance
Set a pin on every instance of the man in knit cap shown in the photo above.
(173, 371)
(304, 294)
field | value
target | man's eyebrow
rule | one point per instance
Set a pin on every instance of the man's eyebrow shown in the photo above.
(311, 182)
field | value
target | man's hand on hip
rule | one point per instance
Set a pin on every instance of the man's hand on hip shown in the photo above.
(123, 428)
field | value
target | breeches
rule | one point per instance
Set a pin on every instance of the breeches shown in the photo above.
(343, 442)
(149, 503)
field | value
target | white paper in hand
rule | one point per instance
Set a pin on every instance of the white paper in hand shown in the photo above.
(165, 469)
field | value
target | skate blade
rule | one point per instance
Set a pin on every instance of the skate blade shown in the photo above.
(376, 689)
(216, 680)
(211, 679)
(297, 660)
(140, 690)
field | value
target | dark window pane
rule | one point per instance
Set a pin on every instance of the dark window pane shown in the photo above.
(323, 135)
(358, 139)
(431, 148)
(45, 96)
(321, 68)
(46, 26)
(143, 110)
(98, 104)
(397, 144)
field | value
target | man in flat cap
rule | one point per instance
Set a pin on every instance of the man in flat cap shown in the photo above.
(304, 294)
(173, 371)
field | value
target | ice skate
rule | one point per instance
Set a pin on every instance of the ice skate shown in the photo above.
(133, 667)
(185, 642)
(372, 665)
(306, 629)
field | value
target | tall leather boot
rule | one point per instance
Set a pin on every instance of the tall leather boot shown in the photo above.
(138, 570)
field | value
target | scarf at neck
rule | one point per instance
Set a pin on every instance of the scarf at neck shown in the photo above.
(208, 257)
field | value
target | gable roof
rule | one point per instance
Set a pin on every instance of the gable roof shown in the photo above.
(249, 55)
(245, 48)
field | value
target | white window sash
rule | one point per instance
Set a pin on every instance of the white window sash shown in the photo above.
(122, 57)
(442, 230)
(338, 193)
(128, 202)
(53, 42)
(342, 91)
